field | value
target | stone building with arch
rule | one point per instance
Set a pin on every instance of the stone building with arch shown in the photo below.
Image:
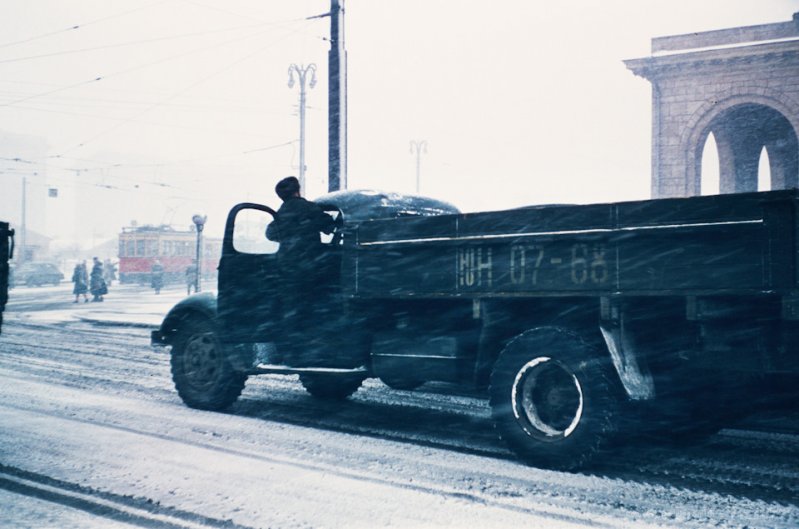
(739, 84)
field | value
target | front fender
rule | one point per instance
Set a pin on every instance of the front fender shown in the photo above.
(202, 305)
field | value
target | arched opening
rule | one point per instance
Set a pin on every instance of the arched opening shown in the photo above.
(747, 138)
(764, 182)
(710, 167)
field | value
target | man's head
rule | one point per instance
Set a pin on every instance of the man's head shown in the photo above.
(288, 187)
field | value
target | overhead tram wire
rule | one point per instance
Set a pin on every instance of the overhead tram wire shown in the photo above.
(122, 183)
(241, 15)
(83, 25)
(143, 122)
(134, 182)
(176, 162)
(227, 103)
(175, 94)
(126, 71)
(213, 104)
(131, 43)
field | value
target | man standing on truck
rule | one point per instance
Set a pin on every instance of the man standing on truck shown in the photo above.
(301, 255)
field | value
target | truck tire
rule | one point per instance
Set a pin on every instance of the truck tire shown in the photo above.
(330, 387)
(554, 399)
(201, 371)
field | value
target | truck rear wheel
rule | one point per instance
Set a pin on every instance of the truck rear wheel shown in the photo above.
(330, 387)
(201, 371)
(553, 399)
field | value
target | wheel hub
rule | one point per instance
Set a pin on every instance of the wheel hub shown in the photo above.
(547, 399)
(201, 360)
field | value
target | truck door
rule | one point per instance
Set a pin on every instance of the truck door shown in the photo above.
(248, 301)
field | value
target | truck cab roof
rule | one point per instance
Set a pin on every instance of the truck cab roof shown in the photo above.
(364, 204)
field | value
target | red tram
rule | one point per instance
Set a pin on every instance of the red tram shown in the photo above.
(140, 246)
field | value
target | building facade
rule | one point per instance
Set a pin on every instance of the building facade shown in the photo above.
(741, 85)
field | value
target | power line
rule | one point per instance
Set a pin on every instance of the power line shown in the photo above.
(93, 102)
(83, 25)
(177, 93)
(126, 71)
(124, 44)
(144, 122)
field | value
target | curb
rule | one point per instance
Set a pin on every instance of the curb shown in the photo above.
(110, 323)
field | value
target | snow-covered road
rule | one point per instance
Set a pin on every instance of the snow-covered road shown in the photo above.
(93, 435)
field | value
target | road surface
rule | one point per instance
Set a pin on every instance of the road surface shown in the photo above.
(94, 435)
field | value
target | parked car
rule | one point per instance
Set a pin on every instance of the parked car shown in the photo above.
(35, 274)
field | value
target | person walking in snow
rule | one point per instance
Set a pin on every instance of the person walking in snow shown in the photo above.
(81, 279)
(191, 278)
(157, 276)
(97, 281)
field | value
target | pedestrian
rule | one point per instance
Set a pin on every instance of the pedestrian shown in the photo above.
(191, 277)
(109, 272)
(97, 284)
(81, 279)
(157, 276)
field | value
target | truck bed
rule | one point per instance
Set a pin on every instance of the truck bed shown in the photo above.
(724, 244)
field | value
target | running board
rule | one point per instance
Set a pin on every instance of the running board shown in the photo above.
(276, 369)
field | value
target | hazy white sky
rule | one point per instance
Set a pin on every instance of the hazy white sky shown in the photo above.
(520, 102)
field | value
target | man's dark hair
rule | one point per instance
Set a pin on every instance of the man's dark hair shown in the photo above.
(287, 187)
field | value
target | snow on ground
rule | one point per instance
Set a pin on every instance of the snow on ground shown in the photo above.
(124, 304)
(94, 435)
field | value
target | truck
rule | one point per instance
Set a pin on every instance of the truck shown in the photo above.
(581, 325)
(6, 253)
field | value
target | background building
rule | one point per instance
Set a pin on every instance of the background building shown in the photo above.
(742, 86)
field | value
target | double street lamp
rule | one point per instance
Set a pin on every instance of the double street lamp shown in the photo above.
(199, 223)
(302, 72)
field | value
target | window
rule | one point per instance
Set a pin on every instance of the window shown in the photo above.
(152, 247)
(249, 232)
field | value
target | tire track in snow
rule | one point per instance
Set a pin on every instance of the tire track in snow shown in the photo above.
(457, 424)
(439, 490)
(130, 510)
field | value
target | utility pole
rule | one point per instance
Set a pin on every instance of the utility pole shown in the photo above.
(302, 74)
(337, 100)
(418, 147)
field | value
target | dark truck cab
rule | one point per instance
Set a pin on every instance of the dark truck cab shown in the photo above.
(583, 323)
(6, 253)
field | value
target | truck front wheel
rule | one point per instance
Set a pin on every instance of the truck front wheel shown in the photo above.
(201, 371)
(553, 398)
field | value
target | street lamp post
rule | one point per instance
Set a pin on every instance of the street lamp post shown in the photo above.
(418, 147)
(302, 73)
(199, 223)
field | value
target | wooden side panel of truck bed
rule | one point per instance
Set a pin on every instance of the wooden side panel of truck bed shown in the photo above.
(732, 244)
